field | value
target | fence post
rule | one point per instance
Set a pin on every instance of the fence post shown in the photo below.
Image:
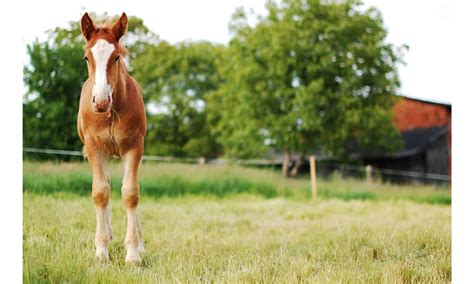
(368, 173)
(201, 161)
(312, 166)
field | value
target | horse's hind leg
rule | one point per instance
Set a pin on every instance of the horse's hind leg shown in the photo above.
(130, 196)
(100, 194)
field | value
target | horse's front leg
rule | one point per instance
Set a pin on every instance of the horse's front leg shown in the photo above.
(130, 197)
(100, 193)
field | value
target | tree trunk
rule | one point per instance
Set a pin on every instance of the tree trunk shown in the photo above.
(296, 168)
(286, 163)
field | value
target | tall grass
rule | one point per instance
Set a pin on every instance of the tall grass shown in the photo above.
(245, 238)
(170, 180)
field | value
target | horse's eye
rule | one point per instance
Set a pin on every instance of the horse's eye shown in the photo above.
(117, 59)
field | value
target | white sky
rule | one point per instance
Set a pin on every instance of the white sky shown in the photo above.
(422, 25)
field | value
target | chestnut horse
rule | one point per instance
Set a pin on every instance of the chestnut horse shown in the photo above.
(111, 122)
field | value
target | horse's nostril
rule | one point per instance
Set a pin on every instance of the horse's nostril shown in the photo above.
(93, 99)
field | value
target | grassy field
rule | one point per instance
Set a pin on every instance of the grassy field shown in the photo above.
(233, 224)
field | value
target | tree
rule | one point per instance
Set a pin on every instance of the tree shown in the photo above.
(176, 80)
(54, 78)
(310, 74)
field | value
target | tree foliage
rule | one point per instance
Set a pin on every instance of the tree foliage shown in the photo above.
(310, 74)
(54, 78)
(176, 80)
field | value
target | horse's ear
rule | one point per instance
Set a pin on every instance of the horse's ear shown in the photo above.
(87, 26)
(120, 27)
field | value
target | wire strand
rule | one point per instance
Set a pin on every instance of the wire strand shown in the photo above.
(262, 162)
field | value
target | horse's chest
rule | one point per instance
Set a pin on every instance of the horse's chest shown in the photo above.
(112, 135)
(107, 137)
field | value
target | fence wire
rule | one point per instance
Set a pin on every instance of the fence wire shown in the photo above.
(255, 162)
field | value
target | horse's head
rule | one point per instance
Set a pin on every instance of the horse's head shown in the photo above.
(103, 54)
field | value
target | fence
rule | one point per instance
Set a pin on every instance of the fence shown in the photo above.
(363, 170)
(322, 167)
(163, 158)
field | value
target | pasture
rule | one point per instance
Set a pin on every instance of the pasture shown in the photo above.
(234, 224)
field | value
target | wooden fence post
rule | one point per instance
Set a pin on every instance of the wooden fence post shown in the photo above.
(202, 161)
(368, 173)
(312, 166)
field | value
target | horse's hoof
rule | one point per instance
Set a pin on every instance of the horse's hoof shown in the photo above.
(141, 246)
(133, 257)
(102, 254)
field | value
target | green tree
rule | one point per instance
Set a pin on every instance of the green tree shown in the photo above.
(54, 79)
(176, 80)
(310, 74)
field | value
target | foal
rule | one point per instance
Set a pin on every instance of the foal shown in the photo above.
(111, 122)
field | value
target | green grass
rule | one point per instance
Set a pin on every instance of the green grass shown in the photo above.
(170, 180)
(233, 224)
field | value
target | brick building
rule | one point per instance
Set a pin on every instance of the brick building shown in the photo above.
(425, 129)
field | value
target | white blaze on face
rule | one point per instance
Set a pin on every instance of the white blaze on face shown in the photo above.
(101, 52)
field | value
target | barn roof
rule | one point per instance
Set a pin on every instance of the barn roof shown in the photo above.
(447, 105)
(414, 141)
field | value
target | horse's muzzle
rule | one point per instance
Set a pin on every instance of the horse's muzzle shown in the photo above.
(102, 105)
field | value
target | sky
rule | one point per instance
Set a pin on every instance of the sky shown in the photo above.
(422, 25)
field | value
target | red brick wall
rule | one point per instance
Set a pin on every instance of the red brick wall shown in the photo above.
(411, 114)
(449, 144)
